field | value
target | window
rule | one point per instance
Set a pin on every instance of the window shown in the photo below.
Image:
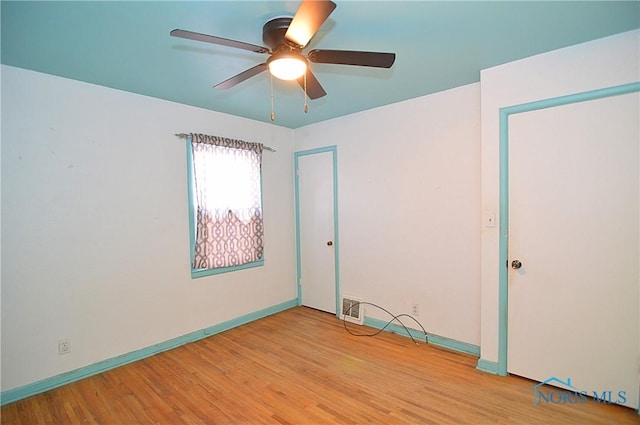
(225, 200)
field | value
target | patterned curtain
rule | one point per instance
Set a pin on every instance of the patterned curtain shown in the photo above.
(229, 228)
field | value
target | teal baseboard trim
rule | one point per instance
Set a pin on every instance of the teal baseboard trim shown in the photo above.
(452, 344)
(440, 341)
(393, 328)
(29, 390)
(487, 366)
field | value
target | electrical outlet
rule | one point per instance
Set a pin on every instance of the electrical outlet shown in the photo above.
(64, 346)
(415, 310)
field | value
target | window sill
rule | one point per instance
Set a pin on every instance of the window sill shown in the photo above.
(196, 273)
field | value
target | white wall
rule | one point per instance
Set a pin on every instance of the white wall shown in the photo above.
(409, 198)
(598, 64)
(95, 243)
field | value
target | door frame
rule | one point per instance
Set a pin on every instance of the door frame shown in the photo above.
(336, 243)
(505, 114)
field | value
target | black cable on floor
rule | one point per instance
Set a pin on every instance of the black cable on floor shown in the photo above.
(394, 318)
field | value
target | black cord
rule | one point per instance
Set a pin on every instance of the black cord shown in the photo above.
(394, 317)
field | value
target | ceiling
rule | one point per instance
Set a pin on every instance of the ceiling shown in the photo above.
(439, 45)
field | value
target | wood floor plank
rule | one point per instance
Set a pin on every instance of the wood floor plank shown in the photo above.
(301, 367)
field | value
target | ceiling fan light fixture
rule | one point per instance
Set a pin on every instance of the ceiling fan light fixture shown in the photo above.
(286, 38)
(287, 66)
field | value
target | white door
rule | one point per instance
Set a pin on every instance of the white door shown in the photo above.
(316, 230)
(573, 305)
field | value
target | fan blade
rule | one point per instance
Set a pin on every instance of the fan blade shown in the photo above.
(237, 79)
(314, 89)
(349, 57)
(308, 19)
(190, 35)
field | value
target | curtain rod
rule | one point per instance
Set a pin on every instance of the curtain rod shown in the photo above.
(184, 136)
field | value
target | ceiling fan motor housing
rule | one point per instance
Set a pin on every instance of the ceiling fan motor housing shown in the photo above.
(273, 34)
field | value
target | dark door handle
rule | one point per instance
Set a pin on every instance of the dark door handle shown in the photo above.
(516, 264)
(329, 243)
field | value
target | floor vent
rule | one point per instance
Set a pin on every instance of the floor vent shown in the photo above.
(352, 310)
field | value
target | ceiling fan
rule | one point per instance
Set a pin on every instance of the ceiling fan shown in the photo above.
(286, 38)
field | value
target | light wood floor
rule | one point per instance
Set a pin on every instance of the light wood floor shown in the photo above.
(302, 367)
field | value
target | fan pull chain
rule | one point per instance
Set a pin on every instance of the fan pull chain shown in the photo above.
(306, 107)
(273, 115)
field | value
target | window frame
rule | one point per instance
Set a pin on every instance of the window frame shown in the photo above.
(197, 273)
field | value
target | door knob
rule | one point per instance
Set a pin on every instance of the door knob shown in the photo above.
(329, 243)
(516, 264)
